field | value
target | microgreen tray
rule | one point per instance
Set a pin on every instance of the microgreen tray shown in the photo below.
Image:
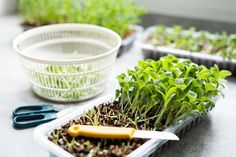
(149, 148)
(155, 52)
(128, 41)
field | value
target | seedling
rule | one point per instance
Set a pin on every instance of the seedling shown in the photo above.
(169, 89)
(113, 14)
(216, 44)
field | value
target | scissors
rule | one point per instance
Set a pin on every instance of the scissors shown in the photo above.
(31, 116)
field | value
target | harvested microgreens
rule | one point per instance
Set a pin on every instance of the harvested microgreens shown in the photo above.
(113, 14)
(80, 84)
(153, 96)
(194, 41)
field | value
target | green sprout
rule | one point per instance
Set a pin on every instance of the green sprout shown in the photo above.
(168, 90)
(74, 82)
(217, 44)
(113, 14)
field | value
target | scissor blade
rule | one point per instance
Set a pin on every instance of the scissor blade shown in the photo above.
(155, 134)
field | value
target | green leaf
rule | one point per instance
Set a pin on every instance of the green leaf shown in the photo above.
(210, 87)
(179, 81)
(192, 96)
(204, 74)
(141, 83)
(224, 73)
(201, 108)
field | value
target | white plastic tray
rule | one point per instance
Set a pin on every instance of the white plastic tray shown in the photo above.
(41, 132)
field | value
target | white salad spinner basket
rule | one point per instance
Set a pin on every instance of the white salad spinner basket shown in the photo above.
(68, 62)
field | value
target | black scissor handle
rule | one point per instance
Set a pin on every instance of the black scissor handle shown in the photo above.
(34, 109)
(32, 120)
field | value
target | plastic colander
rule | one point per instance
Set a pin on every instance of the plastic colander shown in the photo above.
(68, 62)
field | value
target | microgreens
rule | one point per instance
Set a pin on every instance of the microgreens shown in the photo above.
(75, 81)
(153, 96)
(190, 40)
(113, 14)
(169, 90)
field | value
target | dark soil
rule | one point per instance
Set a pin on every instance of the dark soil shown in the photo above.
(109, 114)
